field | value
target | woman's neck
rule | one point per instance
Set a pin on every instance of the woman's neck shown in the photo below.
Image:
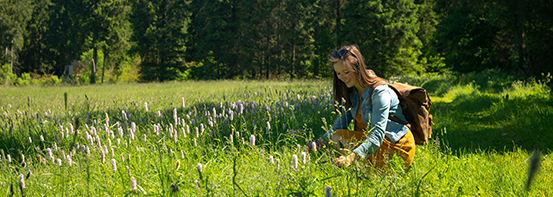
(359, 89)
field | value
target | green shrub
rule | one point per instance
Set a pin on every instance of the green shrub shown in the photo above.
(55, 79)
(12, 77)
(24, 80)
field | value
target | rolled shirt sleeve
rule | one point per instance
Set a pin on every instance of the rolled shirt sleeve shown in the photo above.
(381, 102)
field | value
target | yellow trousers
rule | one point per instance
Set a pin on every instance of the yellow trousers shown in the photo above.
(404, 148)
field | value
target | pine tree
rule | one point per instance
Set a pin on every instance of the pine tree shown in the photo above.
(159, 28)
(386, 34)
(13, 18)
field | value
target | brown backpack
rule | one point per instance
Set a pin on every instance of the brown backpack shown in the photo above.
(415, 103)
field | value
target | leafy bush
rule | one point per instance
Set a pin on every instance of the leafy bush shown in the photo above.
(55, 79)
(24, 80)
(12, 77)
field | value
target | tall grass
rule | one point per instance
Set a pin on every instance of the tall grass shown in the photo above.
(481, 143)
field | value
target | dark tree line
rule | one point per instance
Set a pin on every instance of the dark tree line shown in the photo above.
(265, 39)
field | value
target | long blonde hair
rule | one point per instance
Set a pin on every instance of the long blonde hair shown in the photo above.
(353, 58)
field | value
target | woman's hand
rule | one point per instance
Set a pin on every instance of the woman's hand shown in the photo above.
(344, 161)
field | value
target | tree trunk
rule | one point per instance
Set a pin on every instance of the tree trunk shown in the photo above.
(316, 62)
(93, 70)
(11, 67)
(293, 69)
(268, 62)
(338, 22)
(521, 18)
(106, 56)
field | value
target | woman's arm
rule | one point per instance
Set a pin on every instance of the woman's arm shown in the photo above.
(341, 122)
(381, 102)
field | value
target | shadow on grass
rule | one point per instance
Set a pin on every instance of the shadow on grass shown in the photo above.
(483, 122)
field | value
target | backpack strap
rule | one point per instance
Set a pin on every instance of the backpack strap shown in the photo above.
(390, 116)
(376, 84)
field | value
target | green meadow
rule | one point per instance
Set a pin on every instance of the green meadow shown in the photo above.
(195, 138)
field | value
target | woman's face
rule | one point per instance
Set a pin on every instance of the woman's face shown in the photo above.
(346, 74)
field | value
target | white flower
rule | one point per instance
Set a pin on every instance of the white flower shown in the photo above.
(295, 162)
(69, 161)
(133, 183)
(146, 106)
(252, 140)
(49, 153)
(113, 165)
(22, 181)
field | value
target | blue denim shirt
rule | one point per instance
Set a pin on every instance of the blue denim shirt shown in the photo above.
(384, 102)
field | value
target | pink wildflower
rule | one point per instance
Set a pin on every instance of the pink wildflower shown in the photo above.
(183, 132)
(252, 140)
(103, 156)
(113, 165)
(295, 162)
(133, 126)
(175, 116)
(146, 106)
(200, 168)
(48, 153)
(22, 181)
(133, 183)
(313, 146)
(197, 133)
(69, 161)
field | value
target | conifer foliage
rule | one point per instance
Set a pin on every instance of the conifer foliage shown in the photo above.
(273, 39)
(159, 36)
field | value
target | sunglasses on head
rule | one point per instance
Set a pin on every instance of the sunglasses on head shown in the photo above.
(339, 53)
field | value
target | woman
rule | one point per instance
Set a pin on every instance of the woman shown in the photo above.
(383, 137)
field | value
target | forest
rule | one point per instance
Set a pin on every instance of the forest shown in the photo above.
(167, 40)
